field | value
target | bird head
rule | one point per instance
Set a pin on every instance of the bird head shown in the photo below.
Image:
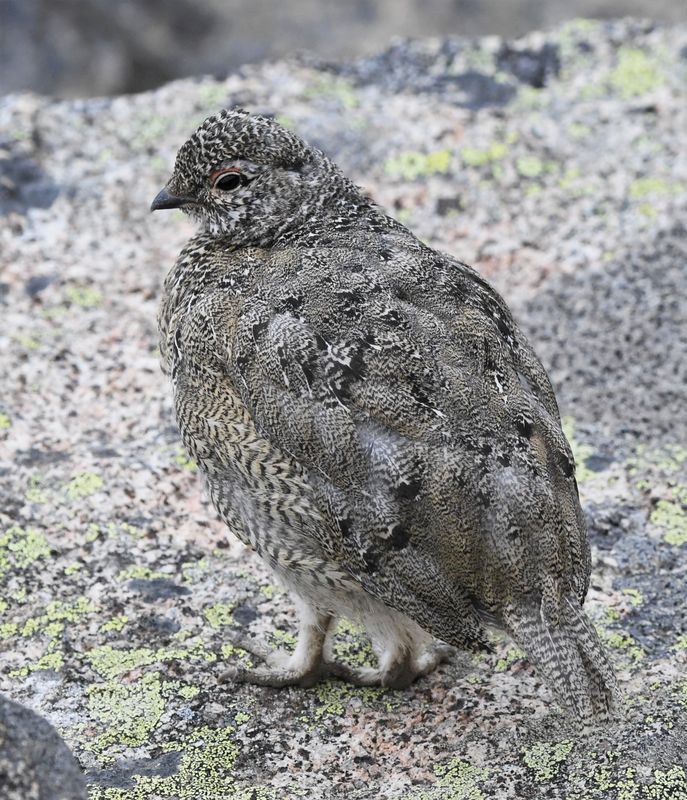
(247, 178)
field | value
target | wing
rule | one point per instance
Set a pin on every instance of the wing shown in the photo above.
(428, 427)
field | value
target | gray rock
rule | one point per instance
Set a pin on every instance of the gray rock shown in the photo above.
(35, 764)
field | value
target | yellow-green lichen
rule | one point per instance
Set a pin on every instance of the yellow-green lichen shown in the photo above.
(481, 156)
(110, 662)
(115, 624)
(136, 571)
(624, 643)
(573, 181)
(650, 185)
(603, 782)
(195, 570)
(8, 629)
(286, 121)
(284, 639)
(457, 780)
(130, 711)
(34, 494)
(182, 459)
(69, 611)
(635, 73)
(53, 661)
(461, 780)
(581, 451)
(529, 166)
(83, 485)
(51, 624)
(20, 547)
(28, 342)
(213, 95)
(353, 646)
(219, 614)
(647, 210)
(411, 165)
(635, 596)
(671, 517)
(681, 693)
(512, 655)
(333, 697)
(545, 759)
(579, 131)
(229, 650)
(84, 296)
(5, 422)
(149, 129)
(188, 692)
(334, 88)
(205, 771)
(669, 460)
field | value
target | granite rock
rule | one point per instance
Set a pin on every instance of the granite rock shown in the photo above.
(35, 764)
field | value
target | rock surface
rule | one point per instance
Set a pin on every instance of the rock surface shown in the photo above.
(35, 764)
(556, 165)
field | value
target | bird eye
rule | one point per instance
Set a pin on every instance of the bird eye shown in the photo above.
(228, 181)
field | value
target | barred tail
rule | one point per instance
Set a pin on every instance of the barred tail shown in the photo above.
(568, 654)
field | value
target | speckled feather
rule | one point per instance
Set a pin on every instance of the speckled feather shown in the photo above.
(367, 414)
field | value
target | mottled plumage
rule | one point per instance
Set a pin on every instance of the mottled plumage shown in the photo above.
(370, 419)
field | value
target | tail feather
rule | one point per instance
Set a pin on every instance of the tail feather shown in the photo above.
(569, 655)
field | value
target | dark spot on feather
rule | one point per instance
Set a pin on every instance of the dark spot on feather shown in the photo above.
(458, 290)
(505, 329)
(399, 538)
(371, 559)
(566, 465)
(419, 392)
(308, 373)
(484, 498)
(391, 317)
(475, 277)
(291, 304)
(345, 526)
(504, 459)
(258, 328)
(349, 296)
(524, 427)
(409, 490)
(241, 362)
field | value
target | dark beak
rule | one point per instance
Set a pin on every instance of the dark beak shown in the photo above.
(166, 200)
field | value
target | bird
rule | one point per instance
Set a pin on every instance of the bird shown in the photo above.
(370, 419)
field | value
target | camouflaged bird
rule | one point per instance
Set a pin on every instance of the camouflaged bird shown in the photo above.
(370, 419)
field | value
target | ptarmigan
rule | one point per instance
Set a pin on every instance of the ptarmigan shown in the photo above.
(370, 419)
